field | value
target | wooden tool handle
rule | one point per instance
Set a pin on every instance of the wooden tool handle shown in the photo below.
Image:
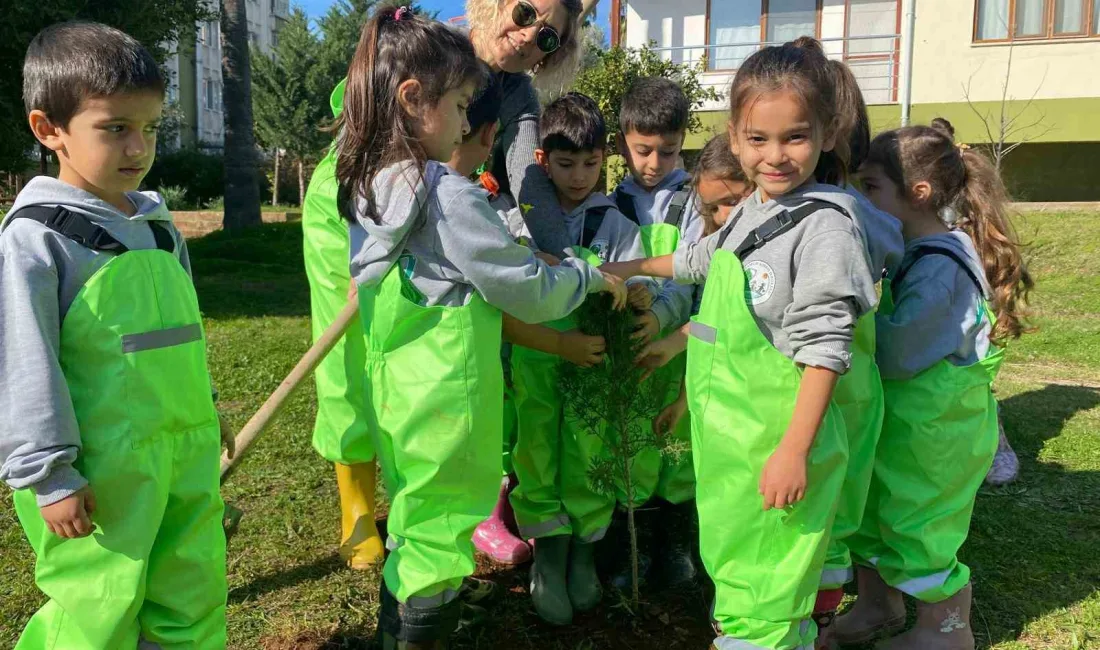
(305, 368)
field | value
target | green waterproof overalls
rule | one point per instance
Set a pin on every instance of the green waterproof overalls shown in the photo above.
(134, 357)
(553, 452)
(653, 474)
(766, 566)
(938, 442)
(434, 404)
(340, 432)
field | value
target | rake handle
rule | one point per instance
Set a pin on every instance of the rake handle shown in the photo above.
(302, 370)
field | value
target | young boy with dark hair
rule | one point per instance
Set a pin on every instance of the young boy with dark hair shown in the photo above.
(653, 122)
(108, 431)
(554, 503)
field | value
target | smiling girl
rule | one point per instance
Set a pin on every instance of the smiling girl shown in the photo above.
(787, 278)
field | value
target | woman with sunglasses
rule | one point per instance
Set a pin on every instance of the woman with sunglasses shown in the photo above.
(512, 37)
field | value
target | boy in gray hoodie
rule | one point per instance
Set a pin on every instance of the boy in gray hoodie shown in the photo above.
(107, 421)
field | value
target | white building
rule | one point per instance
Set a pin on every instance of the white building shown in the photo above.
(196, 83)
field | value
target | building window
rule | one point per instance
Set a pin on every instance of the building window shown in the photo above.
(786, 20)
(1013, 20)
(735, 28)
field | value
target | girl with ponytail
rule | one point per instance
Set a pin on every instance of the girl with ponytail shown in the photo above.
(958, 296)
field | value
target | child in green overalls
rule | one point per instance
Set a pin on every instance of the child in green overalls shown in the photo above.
(434, 269)
(959, 294)
(554, 502)
(787, 280)
(108, 431)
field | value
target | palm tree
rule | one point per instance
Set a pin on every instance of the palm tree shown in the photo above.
(242, 190)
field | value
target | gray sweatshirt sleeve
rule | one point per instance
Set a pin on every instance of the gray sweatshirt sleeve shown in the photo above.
(673, 304)
(39, 436)
(832, 287)
(505, 273)
(530, 185)
(691, 261)
(918, 334)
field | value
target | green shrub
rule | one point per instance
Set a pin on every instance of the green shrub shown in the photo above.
(200, 175)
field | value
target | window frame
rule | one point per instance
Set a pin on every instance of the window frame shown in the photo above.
(894, 58)
(1088, 17)
(764, 6)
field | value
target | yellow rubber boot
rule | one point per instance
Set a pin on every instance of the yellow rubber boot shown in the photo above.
(360, 544)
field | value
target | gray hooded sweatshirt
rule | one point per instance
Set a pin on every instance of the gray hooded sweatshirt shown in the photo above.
(808, 287)
(41, 273)
(453, 243)
(938, 313)
(672, 306)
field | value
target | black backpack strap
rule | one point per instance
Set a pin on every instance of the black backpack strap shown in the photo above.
(925, 251)
(783, 222)
(593, 219)
(163, 237)
(74, 226)
(625, 203)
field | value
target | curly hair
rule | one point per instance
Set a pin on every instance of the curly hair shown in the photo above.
(554, 72)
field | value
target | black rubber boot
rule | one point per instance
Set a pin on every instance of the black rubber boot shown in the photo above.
(645, 524)
(677, 538)
(407, 627)
(585, 591)
(549, 590)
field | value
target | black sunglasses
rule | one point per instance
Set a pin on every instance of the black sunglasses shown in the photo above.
(524, 14)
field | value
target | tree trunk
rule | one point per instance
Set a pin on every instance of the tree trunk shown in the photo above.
(301, 183)
(242, 188)
(275, 182)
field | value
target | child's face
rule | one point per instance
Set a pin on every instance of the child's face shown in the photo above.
(886, 195)
(474, 151)
(777, 143)
(574, 173)
(650, 157)
(109, 144)
(441, 128)
(718, 196)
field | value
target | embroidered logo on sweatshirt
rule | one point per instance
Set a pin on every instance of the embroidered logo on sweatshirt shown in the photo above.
(600, 248)
(760, 282)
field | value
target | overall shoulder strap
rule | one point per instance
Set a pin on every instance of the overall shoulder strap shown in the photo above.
(678, 206)
(724, 233)
(163, 237)
(74, 226)
(593, 219)
(625, 203)
(925, 251)
(781, 223)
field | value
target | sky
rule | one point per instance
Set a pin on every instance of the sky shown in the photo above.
(446, 8)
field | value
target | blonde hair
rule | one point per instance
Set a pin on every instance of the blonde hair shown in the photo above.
(557, 70)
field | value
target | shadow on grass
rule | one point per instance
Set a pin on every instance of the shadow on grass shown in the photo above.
(256, 272)
(287, 578)
(1033, 543)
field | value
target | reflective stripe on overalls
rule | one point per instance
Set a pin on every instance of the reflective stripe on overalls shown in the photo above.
(766, 566)
(340, 432)
(938, 442)
(434, 395)
(134, 357)
(652, 473)
(553, 451)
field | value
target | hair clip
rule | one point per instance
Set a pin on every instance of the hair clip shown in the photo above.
(949, 215)
(962, 146)
(402, 13)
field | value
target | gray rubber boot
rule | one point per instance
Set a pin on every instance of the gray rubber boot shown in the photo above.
(940, 626)
(585, 590)
(879, 611)
(549, 591)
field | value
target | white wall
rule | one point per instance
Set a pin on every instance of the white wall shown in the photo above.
(945, 61)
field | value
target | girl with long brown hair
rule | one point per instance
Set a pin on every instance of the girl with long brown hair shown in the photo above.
(434, 272)
(959, 295)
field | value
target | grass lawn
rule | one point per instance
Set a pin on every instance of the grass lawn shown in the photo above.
(1033, 548)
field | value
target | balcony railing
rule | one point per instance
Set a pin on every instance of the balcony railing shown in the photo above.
(873, 60)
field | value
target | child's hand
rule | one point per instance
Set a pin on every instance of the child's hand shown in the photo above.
(580, 349)
(548, 258)
(658, 353)
(670, 417)
(71, 517)
(646, 327)
(617, 288)
(640, 297)
(783, 482)
(229, 439)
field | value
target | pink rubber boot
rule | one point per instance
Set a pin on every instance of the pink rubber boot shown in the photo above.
(496, 535)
